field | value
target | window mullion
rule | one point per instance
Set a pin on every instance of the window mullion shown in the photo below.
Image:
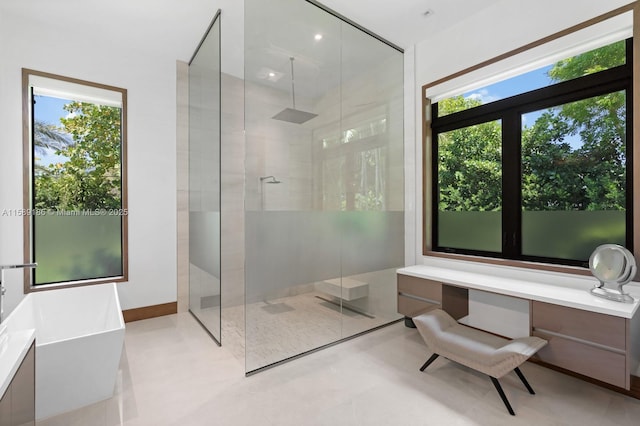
(511, 185)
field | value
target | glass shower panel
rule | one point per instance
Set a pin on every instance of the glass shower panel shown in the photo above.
(324, 182)
(204, 182)
(371, 149)
(292, 87)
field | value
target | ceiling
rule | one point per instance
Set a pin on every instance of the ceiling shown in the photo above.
(171, 29)
(174, 27)
(404, 23)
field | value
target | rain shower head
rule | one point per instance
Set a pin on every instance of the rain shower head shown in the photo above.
(293, 115)
(272, 179)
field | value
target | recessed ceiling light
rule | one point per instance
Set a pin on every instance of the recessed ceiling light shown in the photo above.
(269, 74)
(428, 13)
(318, 37)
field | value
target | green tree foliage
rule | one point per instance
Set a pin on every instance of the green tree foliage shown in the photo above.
(591, 176)
(555, 174)
(90, 176)
(49, 137)
(470, 163)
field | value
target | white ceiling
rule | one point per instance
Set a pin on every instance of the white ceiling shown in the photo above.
(403, 22)
(174, 27)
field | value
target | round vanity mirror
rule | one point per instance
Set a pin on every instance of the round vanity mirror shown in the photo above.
(614, 266)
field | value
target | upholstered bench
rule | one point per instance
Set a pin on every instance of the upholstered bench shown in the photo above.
(489, 354)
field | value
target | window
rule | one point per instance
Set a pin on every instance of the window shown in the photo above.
(354, 163)
(75, 191)
(543, 175)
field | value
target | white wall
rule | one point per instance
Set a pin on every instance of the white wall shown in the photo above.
(151, 85)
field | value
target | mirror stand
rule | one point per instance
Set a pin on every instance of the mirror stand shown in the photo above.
(614, 266)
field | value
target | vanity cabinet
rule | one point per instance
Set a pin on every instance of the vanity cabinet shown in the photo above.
(588, 343)
(18, 404)
(5, 409)
(586, 335)
(418, 295)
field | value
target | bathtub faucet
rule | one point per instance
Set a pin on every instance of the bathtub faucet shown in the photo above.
(3, 290)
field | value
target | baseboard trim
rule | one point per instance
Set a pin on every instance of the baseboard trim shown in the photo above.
(147, 312)
(633, 392)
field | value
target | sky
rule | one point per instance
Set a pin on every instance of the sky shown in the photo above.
(526, 82)
(532, 80)
(49, 110)
(515, 85)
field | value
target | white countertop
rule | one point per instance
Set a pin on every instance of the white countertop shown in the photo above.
(573, 293)
(12, 352)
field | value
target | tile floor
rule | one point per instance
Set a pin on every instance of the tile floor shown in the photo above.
(281, 328)
(173, 374)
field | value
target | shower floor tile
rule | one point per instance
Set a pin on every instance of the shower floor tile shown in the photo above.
(285, 327)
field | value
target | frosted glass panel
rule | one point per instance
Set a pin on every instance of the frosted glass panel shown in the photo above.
(204, 183)
(77, 247)
(570, 234)
(470, 230)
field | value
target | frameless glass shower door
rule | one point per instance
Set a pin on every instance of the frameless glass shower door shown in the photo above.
(204, 181)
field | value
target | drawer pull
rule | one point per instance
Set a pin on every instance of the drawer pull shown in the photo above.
(579, 340)
(422, 299)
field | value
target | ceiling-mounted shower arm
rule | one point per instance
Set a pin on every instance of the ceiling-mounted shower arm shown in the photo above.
(293, 115)
(293, 88)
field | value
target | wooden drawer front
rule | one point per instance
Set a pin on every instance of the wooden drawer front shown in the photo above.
(598, 328)
(412, 307)
(419, 287)
(600, 364)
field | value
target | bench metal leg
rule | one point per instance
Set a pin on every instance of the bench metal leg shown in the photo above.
(429, 361)
(496, 383)
(524, 381)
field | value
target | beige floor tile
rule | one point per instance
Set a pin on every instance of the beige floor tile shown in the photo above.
(172, 373)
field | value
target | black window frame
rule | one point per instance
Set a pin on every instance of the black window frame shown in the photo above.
(510, 111)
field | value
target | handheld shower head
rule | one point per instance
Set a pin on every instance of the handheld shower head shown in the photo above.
(272, 179)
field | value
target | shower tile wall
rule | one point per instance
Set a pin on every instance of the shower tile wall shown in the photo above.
(276, 148)
(232, 208)
(279, 149)
(283, 150)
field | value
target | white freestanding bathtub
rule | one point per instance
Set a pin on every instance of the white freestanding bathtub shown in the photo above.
(79, 338)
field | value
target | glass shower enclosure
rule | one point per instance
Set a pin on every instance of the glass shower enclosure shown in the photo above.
(204, 181)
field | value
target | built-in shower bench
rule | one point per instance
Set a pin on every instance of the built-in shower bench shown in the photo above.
(344, 288)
